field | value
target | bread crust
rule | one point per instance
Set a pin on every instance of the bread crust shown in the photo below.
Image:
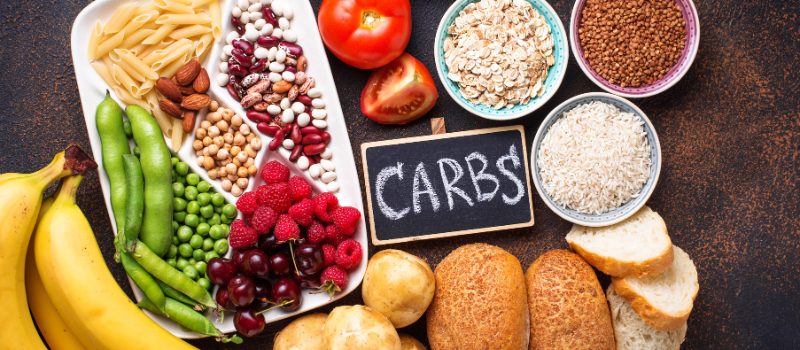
(653, 316)
(615, 267)
(567, 305)
(480, 301)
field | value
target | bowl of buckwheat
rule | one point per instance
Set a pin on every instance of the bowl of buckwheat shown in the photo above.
(634, 48)
(501, 59)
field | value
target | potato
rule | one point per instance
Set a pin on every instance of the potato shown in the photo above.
(409, 343)
(304, 333)
(398, 285)
(359, 328)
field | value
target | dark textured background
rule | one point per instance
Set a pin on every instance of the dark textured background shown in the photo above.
(729, 131)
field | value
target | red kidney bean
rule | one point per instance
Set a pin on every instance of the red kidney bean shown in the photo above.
(258, 117)
(243, 45)
(308, 130)
(297, 137)
(292, 50)
(312, 139)
(311, 161)
(240, 57)
(318, 158)
(268, 41)
(233, 79)
(312, 150)
(238, 70)
(297, 151)
(287, 129)
(304, 100)
(232, 91)
(277, 141)
(266, 129)
(269, 16)
(260, 66)
(290, 69)
(232, 61)
(308, 109)
(326, 137)
(238, 25)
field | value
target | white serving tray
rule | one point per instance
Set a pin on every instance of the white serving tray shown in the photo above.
(92, 91)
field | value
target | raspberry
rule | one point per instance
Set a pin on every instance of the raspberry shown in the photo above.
(303, 212)
(263, 220)
(275, 196)
(316, 232)
(324, 205)
(348, 254)
(299, 188)
(247, 203)
(275, 172)
(248, 219)
(330, 254)
(333, 280)
(286, 229)
(334, 236)
(241, 236)
(346, 219)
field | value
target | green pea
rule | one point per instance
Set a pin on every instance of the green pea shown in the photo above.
(174, 176)
(136, 151)
(229, 210)
(202, 220)
(173, 251)
(203, 186)
(207, 211)
(215, 232)
(174, 161)
(127, 129)
(192, 220)
(193, 179)
(211, 255)
(181, 180)
(175, 226)
(182, 168)
(225, 230)
(190, 193)
(221, 246)
(184, 234)
(208, 244)
(218, 210)
(226, 220)
(214, 220)
(181, 263)
(179, 216)
(196, 242)
(175, 240)
(201, 267)
(171, 262)
(192, 261)
(193, 207)
(185, 250)
(198, 255)
(203, 198)
(203, 229)
(191, 272)
(204, 282)
(178, 204)
(177, 189)
(217, 199)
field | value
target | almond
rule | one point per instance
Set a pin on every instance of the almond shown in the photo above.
(188, 121)
(281, 87)
(187, 73)
(174, 81)
(169, 107)
(196, 102)
(202, 82)
(187, 90)
(167, 88)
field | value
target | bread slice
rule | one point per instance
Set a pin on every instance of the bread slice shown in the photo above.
(638, 246)
(633, 334)
(665, 300)
(567, 305)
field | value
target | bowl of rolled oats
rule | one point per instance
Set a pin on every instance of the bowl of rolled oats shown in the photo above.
(501, 59)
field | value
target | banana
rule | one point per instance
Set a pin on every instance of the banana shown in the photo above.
(82, 288)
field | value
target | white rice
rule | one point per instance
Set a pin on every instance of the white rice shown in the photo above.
(594, 158)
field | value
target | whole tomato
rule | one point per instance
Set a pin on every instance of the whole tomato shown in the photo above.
(399, 92)
(365, 34)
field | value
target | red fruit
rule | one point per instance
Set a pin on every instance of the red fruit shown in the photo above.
(263, 220)
(303, 212)
(324, 205)
(286, 229)
(346, 219)
(275, 172)
(241, 236)
(248, 219)
(333, 280)
(330, 254)
(247, 203)
(299, 188)
(316, 232)
(348, 254)
(275, 196)
(334, 236)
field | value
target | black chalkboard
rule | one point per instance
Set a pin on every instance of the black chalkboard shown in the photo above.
(425, 187)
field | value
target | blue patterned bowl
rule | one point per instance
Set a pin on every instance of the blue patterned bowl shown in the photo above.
(627, 209)
(554, 76)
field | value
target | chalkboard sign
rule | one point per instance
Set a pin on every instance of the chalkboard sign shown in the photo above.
(447, 185)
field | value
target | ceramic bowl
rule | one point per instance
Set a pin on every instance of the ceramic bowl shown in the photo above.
(627, 209)
(554, 77)
(671, 78)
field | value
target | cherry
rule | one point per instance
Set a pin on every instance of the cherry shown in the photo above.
(263, 293)
(241, 290)
(248, 323)
(310, 258)
(221, 270)
(285, 290)
(224, 300)
(307, 281)
(268, 243)
(255, 263)
(238, 255)
(281, 265)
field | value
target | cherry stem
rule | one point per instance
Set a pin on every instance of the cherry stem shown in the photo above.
(291, 251)
(283, 303)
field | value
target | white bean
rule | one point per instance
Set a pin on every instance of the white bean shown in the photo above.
(266, 2)
(261, 53)
(326, 154)
(283, 23)
(277, 8)
(314, 171)
(223, 67)
(228, 48)
(236, 12)
(253, 2)
(288, 76)
(273, 109)
(303, 119)
(276, 67)
(259, 23)
(285, 103)
(319, 114)
(332, 187)
(298, 107)
(251, 34)
(249, 26)
(245, 17)
(243, 4)
(287, 116)
(327, 165)
(255, 16)
(232, 35)
(289, 36)
(288, 144)
(272, 53)
(314, 93)
(278, 33)
(275, 77)
(254, 7)
(267, 29)
(328, 176)
(280, 56)
(223, 57)
(223, 79)
(302, 162)
(288, 12)
(319, 123)
(318, 103)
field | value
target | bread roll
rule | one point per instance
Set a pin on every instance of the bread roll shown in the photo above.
(633, 334)
(567, 305)
(480, 301)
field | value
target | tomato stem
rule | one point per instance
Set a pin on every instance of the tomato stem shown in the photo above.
(370, 19)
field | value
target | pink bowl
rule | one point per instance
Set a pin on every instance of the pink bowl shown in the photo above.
(673, 76)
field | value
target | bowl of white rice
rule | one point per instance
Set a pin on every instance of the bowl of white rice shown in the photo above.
(596, 159)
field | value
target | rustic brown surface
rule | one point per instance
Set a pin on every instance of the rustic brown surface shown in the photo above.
(729, 131)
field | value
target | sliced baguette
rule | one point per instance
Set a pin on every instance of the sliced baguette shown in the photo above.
(638, 246)
(665, 300)
(632, 333)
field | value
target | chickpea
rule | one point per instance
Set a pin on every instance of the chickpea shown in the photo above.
(244, 129)
(198, 153)
(200, 160)
(222, 125)
(242, 182)
(200, 133)
(213, 106)
(235, 150)
(233, 177)
(252, 170)
(212, 149)
(219, 141)
(237, 134)
(236, 121)
(214, 117)
(205, 152)
(239, 140)
(225, 162)
(222, 154)
(242, 157)
(227, 185)
(236, 191)
(242, 172)
(197, 144)
(212, 174)
(227, 115)
(208, 163)
(250, 151)
(237, 162)
(249, 163)
(228, 137)
(231, 168)
(250, 137)
(207, 140)
(205, 124)
(255, 144)
(213, 131)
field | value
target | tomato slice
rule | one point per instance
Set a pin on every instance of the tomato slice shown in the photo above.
(399, 92)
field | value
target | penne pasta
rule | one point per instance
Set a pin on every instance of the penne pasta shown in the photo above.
(135, 38)
(137, 22)
(94, 40)
(160, 33)
(213, 10)
(159, 115)
(120, 18)
(110, 44)
(146, 87)
(137, 64)
(105, 74)
(190, 55)
(155, 56)
(172, 56)
(177, 134)
(190, 31)
(200, 18)
(131, 71)
(145, 9)
(152, 24)
(108, 62)
(137, 49)
(204, 44)
(171, 69)
(150, 49)
(198, 3)
(128, 99)
(124, 80)
(185, 2)
(173, 6)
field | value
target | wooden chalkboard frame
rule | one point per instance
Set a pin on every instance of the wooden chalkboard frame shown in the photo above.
(365, 146)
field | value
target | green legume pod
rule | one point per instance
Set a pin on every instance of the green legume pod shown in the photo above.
(108, 120)
(171, 276)
(143, 280)
(156, 230)
(189, 318)
(134, 203)
(174, 294)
